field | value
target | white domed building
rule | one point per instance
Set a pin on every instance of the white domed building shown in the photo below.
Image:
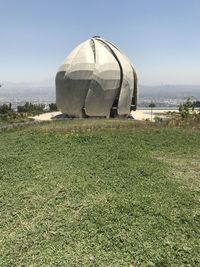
(96, 80)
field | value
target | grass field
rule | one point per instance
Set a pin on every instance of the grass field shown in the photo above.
(125, 196)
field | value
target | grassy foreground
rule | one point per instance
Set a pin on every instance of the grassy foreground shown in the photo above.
(112, 197)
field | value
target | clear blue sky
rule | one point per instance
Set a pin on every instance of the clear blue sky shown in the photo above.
(161, 37)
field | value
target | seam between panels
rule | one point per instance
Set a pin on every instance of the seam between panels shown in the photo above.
(93, 49)
(135, 89)
(112, 45)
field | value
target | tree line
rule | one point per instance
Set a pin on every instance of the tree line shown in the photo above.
(28, 107)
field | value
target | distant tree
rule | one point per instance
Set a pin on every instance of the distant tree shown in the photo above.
(5, 109)
(186, 107)
(53, 107)
(152, 105)
(31, 108)
(196, 104)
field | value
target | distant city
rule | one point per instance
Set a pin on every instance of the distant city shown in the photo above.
(163, 95)
(167, 95)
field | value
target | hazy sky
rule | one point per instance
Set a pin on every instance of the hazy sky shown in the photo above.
(161, 37)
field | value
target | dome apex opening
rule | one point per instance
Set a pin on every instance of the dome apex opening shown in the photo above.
(96, 36)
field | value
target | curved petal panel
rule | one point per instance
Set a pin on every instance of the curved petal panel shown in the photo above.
(127, 87)
(68, 60)
(105, 83)
(73, 82)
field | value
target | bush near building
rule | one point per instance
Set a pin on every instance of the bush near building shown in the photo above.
(53, 107)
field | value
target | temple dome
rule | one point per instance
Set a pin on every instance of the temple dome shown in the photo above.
(96, 80)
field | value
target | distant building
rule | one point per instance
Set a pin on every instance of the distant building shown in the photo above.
(96, 80)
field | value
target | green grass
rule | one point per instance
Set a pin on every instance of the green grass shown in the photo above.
(112, 197)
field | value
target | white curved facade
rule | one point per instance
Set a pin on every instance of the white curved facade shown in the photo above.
(96, 80)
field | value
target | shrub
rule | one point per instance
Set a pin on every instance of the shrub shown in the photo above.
(186, 107)
(53, 107)
(5, 109)
(196, 104)
(31, 108)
